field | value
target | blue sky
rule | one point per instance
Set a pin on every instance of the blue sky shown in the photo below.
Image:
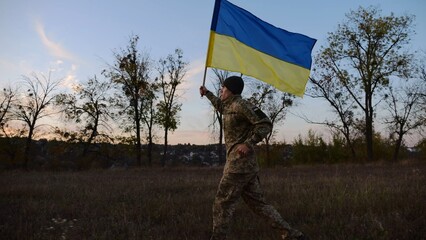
(76, 39)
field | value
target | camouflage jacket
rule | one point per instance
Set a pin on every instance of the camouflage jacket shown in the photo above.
(242, 123)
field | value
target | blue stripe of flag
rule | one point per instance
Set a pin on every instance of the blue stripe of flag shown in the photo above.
(231, 20)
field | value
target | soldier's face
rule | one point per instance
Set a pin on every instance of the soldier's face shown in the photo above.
(225, 93)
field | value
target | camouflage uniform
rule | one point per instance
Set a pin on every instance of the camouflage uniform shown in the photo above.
(243, 123)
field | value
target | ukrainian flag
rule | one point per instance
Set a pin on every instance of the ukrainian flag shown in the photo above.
(241, 42)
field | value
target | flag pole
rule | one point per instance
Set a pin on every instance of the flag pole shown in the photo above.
(207, 60)
(213, 27)
(208, 55)
(204, 78)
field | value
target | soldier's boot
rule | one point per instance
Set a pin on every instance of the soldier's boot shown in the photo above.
(293, 234)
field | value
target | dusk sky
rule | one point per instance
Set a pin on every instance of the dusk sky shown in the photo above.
(76, 39)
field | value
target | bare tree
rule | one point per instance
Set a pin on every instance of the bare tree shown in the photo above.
(32, 105)
(6, 99)
(404, 107)
(275, 105)
(172, 71)
(325, 87)
(422, 77)
(90, 104)
(221, 75)
(362, 54)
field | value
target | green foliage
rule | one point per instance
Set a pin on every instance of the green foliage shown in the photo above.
(338, 150)
(167, 115)
(383, 148)
(172, 71)
(312, 149)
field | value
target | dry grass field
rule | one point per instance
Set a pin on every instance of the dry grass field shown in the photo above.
(377, 201)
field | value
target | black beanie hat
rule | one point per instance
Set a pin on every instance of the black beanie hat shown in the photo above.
(235, 84)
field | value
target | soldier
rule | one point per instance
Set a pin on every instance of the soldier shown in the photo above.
(244, 126)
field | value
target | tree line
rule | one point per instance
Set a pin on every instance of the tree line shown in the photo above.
(366, 73)
(129, 95)
(368, 69)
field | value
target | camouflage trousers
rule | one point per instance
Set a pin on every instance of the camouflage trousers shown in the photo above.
(232, 187)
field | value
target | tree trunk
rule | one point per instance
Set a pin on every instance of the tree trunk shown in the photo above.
(163, 160)
(268, 154)
(369, 139)
(92, 136)
(138, 146)
(150, 143)
(398, 143)
(27, 150)
(138, 152)
(150, 153)
(397, 148)
(369, 127)
(349, 143)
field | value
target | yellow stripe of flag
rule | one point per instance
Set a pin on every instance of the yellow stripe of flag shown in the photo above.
(229, 54)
